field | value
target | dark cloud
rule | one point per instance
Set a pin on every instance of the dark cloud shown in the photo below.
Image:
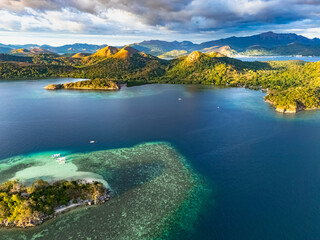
(185, 15)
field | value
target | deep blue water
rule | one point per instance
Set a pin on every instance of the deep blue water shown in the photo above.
(264, 167)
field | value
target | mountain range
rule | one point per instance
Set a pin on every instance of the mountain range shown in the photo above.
(269, 43)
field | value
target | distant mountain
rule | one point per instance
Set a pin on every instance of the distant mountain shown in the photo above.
(71, 48)
(5, 49)
(267, 40)
(268, 43)
(74, 48)
(32, 51)
(157, 47)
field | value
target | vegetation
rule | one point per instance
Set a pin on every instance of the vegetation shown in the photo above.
(23, 206)
(98, 84)
(290, 85)
(173, 54)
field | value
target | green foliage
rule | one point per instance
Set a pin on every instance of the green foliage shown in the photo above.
(9, 70)
(289, 83)
(23, 205)
(97, 83)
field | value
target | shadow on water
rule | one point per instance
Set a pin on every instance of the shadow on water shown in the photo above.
(128, 177)
(124, 178)
(10, 172)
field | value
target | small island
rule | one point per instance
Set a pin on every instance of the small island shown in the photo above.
(22, 206)
(94, 84)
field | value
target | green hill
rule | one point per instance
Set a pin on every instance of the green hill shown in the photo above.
(290, 85)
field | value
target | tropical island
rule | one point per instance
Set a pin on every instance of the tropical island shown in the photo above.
(290, 86)
(22, 206)
(94, 84)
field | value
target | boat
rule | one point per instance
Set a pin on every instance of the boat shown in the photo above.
(61, 160)
(179, 99)
(92, 141)
(56, 155)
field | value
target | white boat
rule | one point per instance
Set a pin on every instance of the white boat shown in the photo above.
(92, 141)
(61, 160)
(179, 99)
(56, 155)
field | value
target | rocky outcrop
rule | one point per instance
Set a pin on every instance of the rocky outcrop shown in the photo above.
(54, 86)
(288, 109)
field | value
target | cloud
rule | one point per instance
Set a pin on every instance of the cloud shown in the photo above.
(148, 16)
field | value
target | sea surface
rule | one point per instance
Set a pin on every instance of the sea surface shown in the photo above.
(263, 167)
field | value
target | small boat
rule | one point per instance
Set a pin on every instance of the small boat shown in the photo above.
(92, 141)
(56, 155)
(61, 160)
(179, 99)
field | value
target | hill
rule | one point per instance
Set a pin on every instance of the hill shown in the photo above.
(121, 65)
(291, 86)
(80, 55)
(106, 52)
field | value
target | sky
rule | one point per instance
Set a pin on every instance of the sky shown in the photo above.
(119, 22)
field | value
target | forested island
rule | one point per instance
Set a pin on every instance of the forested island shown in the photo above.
(22, 206)
(94, 84)
(291, 86)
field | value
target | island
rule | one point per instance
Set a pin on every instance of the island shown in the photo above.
(22, 206)
(94, 84)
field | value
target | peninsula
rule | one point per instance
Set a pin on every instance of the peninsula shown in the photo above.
(22, 206)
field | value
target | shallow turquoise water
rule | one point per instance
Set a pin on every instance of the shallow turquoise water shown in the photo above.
(263, 167)
(155, 193)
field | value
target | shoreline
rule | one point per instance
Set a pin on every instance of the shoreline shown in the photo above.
(277, 109)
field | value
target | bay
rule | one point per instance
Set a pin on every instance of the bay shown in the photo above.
(263, 167)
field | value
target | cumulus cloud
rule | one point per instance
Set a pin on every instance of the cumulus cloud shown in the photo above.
(182, 16)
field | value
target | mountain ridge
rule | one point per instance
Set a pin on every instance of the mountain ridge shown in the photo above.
(267, 43)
